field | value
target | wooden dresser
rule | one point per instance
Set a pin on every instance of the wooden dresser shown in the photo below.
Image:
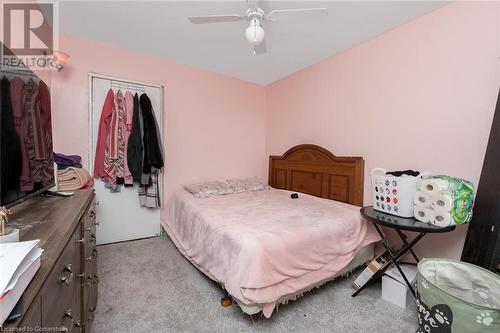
(63, 294)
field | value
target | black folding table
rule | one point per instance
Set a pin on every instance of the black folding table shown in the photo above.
(399, 224)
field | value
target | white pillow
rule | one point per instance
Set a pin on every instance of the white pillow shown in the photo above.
(206, 189)
(245, 185)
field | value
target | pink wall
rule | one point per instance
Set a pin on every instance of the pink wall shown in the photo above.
(421, 96)
(213, 125)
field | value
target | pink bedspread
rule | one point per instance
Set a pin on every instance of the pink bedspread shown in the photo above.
(264, 245)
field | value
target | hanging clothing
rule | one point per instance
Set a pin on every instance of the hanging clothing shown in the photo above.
(34, 139)
(44, 135)
(145, 177)
(149, 195)
(10, 144)
(152, 148)
(114, 153)
(18, 111)
(104, 123)
(134, 147)
(129, 110)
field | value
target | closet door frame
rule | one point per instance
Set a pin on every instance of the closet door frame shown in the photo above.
(91, 150)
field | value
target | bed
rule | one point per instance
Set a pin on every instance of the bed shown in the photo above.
(266, 248)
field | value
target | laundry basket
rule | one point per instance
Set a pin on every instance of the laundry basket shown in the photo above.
(454, 296)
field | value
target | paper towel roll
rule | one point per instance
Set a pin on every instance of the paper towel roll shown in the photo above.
(422, 199)
(442, 219)
(423, 214)
(442, 203)
(434, 186)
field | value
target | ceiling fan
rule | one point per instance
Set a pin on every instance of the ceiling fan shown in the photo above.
(256, 16)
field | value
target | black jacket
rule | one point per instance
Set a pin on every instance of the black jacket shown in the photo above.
(10, 146)
(134, 147)
(144, 148)
(152, 149)
(151, 143)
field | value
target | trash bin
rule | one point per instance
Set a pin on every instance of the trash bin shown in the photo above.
(454, 296)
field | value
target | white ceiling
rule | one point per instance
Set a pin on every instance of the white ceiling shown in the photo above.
(161, 28)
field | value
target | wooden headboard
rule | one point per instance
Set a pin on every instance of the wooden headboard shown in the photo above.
(314, 170)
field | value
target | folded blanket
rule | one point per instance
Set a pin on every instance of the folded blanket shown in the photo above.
(71, 179)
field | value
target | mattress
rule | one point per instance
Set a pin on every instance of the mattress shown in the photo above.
(263, 246)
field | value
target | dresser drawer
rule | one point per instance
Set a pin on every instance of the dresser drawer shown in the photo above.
(90, 218)
(33, 317)
(89, 266)
(60, 289)
(91, 283)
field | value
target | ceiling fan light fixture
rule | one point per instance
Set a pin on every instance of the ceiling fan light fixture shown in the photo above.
(254, 33)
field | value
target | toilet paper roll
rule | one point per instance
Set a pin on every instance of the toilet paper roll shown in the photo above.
(422, 199)
(423, 214)
(442, 219)
(434, 186)
(442, 203)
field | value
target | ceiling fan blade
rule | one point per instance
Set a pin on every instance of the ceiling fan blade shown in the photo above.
(216, 18)
(260, 49)
(299, 13)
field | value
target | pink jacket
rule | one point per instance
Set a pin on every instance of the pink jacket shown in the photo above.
(114, 153)
(129, 109)
(104, 123)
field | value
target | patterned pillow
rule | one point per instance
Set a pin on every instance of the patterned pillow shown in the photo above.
(245, 185)
(206, 189)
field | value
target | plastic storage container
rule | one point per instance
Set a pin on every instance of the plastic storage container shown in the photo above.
(458, 297)
(393, 195)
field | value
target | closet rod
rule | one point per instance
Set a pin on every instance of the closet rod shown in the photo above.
(118, 80)
(19, 72)
(119, 83)
(131, 89)
(128, 86)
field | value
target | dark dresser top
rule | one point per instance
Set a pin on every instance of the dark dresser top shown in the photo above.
(52, 220)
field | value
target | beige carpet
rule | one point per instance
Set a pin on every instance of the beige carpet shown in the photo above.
(147, 286)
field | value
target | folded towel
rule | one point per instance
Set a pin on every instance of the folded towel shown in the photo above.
(71, 179)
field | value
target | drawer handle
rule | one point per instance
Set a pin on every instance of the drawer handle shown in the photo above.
(68, 313)
(91, 313)
(92, 214)
(80, 240)
(89, 258)
(96, 279)
(66, 279)
(92, 238)
(78, 323)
